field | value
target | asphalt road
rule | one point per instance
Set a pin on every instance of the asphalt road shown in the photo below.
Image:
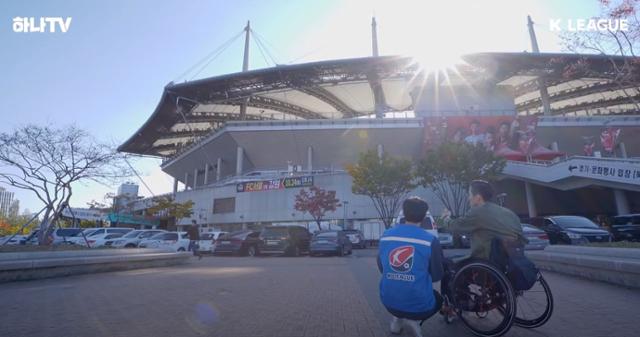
(269, 296)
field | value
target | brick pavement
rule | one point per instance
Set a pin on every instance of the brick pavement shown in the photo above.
(275, 296)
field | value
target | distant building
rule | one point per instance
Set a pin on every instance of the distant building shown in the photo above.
(127, 193)
(6, 199)
(14, 208)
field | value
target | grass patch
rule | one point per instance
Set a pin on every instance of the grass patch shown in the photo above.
(619, 244)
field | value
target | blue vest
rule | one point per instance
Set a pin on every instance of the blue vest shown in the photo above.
(405, 253)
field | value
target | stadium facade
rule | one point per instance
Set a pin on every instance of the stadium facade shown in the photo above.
(242, 145)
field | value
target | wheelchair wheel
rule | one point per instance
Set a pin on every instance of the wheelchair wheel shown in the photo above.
(534, 306)
(484, 298)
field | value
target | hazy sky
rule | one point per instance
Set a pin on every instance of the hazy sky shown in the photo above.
(107, 72)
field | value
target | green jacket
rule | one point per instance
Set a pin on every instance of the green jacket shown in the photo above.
(485, 223)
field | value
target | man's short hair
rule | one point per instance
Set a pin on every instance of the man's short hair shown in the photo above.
(414, 209)
(482, 188)
(194, 222)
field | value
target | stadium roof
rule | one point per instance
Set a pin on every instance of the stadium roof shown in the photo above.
(320, 90)
(578, 84)
(349, 88)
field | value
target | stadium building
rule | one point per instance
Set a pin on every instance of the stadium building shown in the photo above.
(242, 145)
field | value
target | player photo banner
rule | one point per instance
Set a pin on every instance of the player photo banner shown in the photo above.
(275, 184)
(513, 138)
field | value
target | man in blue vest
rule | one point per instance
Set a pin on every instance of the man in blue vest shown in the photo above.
(410, 260)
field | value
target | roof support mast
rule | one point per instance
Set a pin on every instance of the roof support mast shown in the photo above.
(245, 67)
(374, 37)
(544, 94)
(374, 81)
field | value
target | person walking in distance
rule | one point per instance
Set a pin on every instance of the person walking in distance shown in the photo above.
(194, 238)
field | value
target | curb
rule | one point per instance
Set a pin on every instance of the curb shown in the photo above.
(38, 265)
(620, 266)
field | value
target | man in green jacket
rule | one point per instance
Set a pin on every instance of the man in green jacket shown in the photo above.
(485, 221)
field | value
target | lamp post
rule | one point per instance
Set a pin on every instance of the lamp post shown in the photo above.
(344, 216)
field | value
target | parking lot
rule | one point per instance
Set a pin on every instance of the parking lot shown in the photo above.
(268, 296)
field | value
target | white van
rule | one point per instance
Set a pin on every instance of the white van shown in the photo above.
(428, 224)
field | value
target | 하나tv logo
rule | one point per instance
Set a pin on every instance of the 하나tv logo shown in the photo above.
(401, 259)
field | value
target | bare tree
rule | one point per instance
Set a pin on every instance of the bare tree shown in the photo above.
(619, 46)
(49, 161)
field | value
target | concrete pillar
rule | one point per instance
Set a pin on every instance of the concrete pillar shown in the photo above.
(309, 159)
(244, 226)
(622, 204)
(554, 146)
(175, 185)
(218, 168)
(195, 178)
(206, 174)
(239, 160)
(531, 202)
(544, 97)
(186, 181)
(380, 151)
(623, 150)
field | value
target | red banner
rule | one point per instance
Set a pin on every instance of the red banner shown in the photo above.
(511, 137)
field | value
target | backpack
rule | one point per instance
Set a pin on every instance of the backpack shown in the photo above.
(521, 272)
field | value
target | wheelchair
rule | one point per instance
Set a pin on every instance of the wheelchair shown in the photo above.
(486, 302)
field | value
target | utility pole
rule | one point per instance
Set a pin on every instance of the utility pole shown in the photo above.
(544, 94)
(245, 67)
(374, 37)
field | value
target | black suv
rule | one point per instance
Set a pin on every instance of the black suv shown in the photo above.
(289, 240)
(571, 230)
(626, 227)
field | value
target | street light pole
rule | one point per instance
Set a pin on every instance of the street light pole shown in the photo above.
(344, 217)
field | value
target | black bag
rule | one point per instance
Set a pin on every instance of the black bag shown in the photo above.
(522, 273)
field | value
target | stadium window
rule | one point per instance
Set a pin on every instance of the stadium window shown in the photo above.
(224, 205)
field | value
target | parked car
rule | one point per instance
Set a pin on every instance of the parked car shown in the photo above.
(174, 241)
(133, 238)
(63, 235)
(356, 237)
(626, 227)
(538, 239)
(8, 240)
(570, 229)
(428, 223)
(238, 243)
(58, 236)
(445, 238)
(79, 239)
(208, 241)
(330, 242)
(290, 240)
(99, 240)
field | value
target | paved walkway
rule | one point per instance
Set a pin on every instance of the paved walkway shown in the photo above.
(275, 296)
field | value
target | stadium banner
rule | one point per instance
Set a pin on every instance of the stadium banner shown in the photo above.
(507, 136)
(275, 184)
(529, 137)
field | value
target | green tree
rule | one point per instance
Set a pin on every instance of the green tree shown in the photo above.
(386, 180)
(13, 225)
(449, 168)
(167, 208)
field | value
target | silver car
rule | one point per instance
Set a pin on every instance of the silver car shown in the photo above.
(133, 238)
(538, 239)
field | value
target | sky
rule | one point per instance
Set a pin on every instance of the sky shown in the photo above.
(106, 74)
